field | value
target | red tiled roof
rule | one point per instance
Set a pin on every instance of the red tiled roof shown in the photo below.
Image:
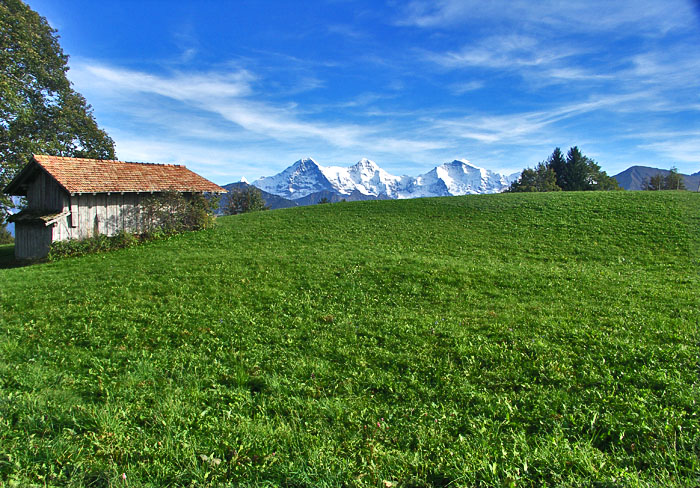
(80, 175)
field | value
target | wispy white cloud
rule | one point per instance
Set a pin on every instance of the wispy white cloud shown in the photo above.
(574, 16)
(469, 86)
(206, 101)
(201, 135)
(503, 52)
(180, 86)
(228, 95)
(683, 148)
(523, 126)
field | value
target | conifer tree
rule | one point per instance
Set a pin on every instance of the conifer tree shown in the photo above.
(557, 163)
(541, 178)
(674, 180)
(576, 172)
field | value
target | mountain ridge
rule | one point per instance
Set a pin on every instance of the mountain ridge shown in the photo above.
(305, 182)
(633, 178)
(458, 177)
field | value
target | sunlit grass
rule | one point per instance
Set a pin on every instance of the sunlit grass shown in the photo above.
(486, 340)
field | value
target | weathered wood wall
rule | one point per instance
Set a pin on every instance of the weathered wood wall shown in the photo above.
(45, 194)
(31, 240)
(102, 213)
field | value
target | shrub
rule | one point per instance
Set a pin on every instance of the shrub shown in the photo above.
(171, 213)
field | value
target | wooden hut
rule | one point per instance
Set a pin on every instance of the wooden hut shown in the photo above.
(76, 198)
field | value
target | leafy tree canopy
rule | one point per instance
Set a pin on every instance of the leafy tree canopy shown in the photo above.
(39, 110)
(242, 200)
(576, 172)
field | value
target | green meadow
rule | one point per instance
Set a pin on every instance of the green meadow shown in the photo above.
(489, 340)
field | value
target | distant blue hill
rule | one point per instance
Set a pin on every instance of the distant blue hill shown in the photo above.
(633, 178)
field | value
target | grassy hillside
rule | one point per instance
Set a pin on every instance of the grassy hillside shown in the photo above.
(495, 340)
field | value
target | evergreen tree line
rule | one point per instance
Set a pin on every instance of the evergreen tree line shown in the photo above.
(575, 172)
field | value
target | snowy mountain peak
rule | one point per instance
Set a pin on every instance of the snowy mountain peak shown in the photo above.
(464, 164)
(458, 177)
(304, 162)
(243, 179)
(302, 178)
(367, 163)
(462, 161)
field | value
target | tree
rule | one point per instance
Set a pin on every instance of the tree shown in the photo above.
(242, 200)
(5, 236)
(654, 183)
(672, 181)
(557, 163)
(582, 173)
(39, 110)
(576, 172)
(541, 178)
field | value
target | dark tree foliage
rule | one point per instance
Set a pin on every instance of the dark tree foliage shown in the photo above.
(40, 112)
(242, 200)
(582, 173)
(576, 172)
(577, 175)
(557, 163)
(541, 178)
(655, 182)
(672, 181)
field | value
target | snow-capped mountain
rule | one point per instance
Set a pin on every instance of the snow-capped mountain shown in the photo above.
(299, 180)
(366, 177)
(459, 177)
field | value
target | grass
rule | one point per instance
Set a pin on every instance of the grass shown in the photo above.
(496, 340)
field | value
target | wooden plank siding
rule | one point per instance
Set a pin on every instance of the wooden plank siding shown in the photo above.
(90, 214)
(32, 240)
(104, 214)
(45, 194)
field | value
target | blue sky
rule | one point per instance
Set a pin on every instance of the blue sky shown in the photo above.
(245, 88)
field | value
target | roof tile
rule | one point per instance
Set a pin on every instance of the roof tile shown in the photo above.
(80, 175)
